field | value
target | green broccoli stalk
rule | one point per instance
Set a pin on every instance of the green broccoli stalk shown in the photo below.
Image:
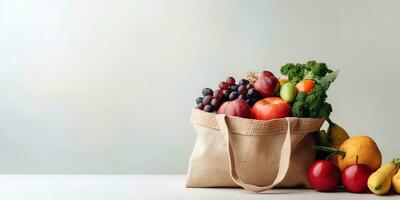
(312, 105)
(312, 70)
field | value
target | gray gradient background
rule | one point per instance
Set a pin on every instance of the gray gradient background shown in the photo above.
(107, 86)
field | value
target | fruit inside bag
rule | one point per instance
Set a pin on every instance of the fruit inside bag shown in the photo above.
(299, 92)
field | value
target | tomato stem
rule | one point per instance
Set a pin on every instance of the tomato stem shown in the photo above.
(327, 158)
(330, 149)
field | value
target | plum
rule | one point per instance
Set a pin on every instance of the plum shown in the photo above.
(266, 84)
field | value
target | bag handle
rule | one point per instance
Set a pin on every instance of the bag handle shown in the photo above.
(284, 160)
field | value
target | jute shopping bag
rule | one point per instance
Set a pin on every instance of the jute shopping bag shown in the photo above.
(253, 154)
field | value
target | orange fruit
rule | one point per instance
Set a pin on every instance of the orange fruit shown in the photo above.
(362, 147)
(305, 86)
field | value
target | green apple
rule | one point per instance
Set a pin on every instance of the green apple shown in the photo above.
(288, 92)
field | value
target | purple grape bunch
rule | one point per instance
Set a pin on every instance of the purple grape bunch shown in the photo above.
(227, 91)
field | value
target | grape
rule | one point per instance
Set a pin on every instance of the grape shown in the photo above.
(207, 91)
(242, 96)
(242, 89)
(199, 100)
(200, 106)
(243, 82)
(208, 108)
(230, 80)
(227, 90)
(226, 94)
(207, 100)
(223, 85)
(250, 102)
(234, 88)
(233, 96)
(251, 93)
(215, 103)
(249, 86)
(218, 94)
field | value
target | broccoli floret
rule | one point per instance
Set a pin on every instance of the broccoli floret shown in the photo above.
(318, 94)
(311, 70)
(299, 108)
(315, 71)
(325, 110)
(294, 72)
(312, 105)
(301, 96)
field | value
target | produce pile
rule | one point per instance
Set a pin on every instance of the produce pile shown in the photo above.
(301, 91)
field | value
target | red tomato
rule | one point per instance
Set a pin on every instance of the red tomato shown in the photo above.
(323, 175)
(305, 86)
(270, 108)
(355, 177)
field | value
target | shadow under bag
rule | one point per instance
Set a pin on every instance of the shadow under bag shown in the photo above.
(253, 154)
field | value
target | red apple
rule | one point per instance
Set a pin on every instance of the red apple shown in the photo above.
(266, 84)
(355, 177)
(270, 108)
(237, 107)
(323, 175)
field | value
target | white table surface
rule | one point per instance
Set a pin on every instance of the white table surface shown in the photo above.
(138, 187)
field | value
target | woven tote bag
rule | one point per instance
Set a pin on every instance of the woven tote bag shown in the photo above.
(254, 154)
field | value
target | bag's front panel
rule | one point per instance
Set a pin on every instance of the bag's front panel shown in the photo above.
(257, 157)
(209, 161)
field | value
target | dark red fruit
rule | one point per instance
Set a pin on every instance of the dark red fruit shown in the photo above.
(323, 175)
(207, 100)
(230, 80)
(355, 178)
(217, 94)
(237, 108)
(249, 86)
(223, 85)
(266, 84)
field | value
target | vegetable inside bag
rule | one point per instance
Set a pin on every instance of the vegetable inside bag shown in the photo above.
(253, 154)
